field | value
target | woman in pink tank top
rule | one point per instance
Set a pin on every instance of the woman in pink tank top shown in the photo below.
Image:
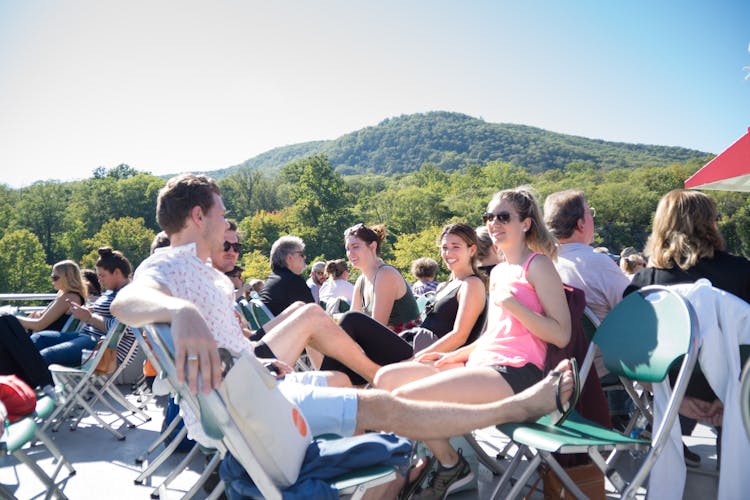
(527, 311)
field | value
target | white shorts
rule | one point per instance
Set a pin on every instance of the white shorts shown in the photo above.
(328, 410)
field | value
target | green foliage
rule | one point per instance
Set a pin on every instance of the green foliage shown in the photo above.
(260, 230)
(451, 141)
(255, 265)
(320, 210)
(41, 210)
(22, 265)
(412, 246)
(128, 235)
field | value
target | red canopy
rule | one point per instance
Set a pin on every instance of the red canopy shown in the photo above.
(730, 171)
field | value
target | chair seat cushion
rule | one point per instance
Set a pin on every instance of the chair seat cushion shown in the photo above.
(575, 435)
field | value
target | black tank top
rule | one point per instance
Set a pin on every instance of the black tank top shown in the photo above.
(442, 316)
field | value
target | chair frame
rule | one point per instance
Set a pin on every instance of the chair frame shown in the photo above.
(577, 435)
(159, 337)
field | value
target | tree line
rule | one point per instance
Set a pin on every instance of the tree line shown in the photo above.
(52, 221)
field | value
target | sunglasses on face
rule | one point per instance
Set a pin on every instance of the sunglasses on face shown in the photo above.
(234, 246)
(502, 217)
(54, 277)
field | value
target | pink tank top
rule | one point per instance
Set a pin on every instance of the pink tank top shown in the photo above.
(507, 342)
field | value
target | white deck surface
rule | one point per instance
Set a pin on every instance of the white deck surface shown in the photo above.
(106, 468)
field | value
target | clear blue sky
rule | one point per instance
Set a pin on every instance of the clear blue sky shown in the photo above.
(173, 86)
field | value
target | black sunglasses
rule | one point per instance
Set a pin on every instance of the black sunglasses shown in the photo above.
(234, 246)
(54, 277)
(502, 217)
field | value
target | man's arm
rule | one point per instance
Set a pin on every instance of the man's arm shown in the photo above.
(146, 301)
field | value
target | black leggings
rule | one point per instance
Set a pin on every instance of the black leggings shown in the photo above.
(379, 343)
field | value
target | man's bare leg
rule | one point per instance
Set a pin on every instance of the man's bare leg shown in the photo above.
(311, 325)
(379, 410)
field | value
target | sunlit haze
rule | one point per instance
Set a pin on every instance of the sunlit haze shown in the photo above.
(168, 86)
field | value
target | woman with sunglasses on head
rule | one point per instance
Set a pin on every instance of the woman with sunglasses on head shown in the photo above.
(527, 311)
(67, 281)
(65, 348)
(381, 291)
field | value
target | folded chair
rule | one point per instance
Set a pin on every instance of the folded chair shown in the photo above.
(272, 459)
(644, 336)
(81, 387)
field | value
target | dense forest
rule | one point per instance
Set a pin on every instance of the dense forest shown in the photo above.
(310, 197)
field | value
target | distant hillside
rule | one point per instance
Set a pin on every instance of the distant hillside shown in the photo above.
(453, 140)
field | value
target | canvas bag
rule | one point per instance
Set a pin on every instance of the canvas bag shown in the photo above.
(273, 427)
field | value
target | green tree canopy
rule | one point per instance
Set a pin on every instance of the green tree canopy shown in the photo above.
(22, 263)
(128, 235)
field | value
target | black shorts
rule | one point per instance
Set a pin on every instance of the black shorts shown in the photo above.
(519, 379)
(263, 351)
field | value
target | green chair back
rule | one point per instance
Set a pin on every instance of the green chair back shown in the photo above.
(661, 322)
(261, 312)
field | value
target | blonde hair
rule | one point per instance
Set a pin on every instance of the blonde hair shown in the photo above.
(71, 278)
(524, 200)
(684, 230)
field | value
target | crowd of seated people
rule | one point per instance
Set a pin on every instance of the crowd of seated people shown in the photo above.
(65, 348)
(455, 319)
(171, 287)
(486, 342)
(527, 311)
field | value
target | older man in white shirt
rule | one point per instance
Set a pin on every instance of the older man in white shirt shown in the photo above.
(571, 220)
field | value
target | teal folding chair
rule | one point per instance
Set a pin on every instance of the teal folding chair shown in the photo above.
(16, 436)
(642, 338)
(219, 423)
(260, 311)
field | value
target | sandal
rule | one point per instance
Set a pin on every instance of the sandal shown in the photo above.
(565, 409)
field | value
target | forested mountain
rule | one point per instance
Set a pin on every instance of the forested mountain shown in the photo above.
(452, 141)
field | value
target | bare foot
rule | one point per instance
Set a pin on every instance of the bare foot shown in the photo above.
(539, 399)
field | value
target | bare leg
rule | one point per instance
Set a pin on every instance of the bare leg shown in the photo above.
(379, 410)
(391, 377)
(464, 385)
(311, 325)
